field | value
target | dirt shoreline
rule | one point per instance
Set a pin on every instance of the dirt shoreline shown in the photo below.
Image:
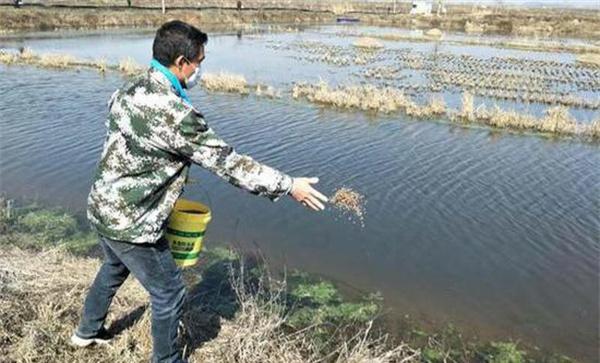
(50, 19)
(572, 23)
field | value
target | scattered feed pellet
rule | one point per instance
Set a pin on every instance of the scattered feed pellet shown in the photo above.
(350, 202)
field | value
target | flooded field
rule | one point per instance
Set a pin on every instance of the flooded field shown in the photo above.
(479, 164)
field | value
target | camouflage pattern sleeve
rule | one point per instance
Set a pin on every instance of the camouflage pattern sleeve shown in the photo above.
(195, 140)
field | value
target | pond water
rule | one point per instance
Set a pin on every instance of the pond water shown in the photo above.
(495, 232)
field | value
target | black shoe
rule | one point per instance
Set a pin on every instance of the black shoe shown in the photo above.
(103, 337)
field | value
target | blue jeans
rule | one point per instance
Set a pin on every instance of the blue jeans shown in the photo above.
(153, 266)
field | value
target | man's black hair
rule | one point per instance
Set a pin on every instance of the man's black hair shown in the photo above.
(176, 38)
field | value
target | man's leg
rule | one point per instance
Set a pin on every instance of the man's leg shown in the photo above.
(109, 278)
(153, 266)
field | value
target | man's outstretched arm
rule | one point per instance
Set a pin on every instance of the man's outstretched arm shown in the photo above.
(195, 140)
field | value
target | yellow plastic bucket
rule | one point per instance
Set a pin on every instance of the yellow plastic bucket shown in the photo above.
(185, 230)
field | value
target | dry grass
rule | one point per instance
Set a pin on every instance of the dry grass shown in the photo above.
(436, 107)
(366, 98)
(40, 305)
(27, 56)
(593, 130)
(225, 82)
(367, 43)
(128, 66)
(505, 119)
(61, 61)
(64, 61)
(556, 121)
(472, 27)
(8, 58)
(434, 34)
(467, 111)
(589, 58)
(262, 90)
(101, 65)
(41, 299)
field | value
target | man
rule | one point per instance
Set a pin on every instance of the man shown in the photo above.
(154, 134)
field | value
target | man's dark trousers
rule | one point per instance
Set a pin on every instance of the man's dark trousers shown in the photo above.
(153, 266)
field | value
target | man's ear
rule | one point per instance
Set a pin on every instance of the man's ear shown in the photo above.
(179, 61)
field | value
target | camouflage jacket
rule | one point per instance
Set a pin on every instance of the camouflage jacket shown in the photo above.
(153, 137)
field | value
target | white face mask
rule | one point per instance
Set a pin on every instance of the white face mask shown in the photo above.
(193, 79)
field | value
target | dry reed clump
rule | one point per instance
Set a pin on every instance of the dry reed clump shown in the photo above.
(101, 65)
(467, 111)
(350, 201)
(27, 56)
(64, 61)
(129, 66)
(41, 300)
(593, 130)
(557, 120)
(496, 117)
(7, 57)
(589, 58)
(267, 91)
(434, 33)
(366, 98)
(368, 43)
(473, 27)
(225, 82)
(435, 107)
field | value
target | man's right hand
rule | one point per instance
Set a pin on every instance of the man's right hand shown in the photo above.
(303, 192)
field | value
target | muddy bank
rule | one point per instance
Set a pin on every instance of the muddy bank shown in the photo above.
(505, 21)
(572, 23)
(47, 19)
